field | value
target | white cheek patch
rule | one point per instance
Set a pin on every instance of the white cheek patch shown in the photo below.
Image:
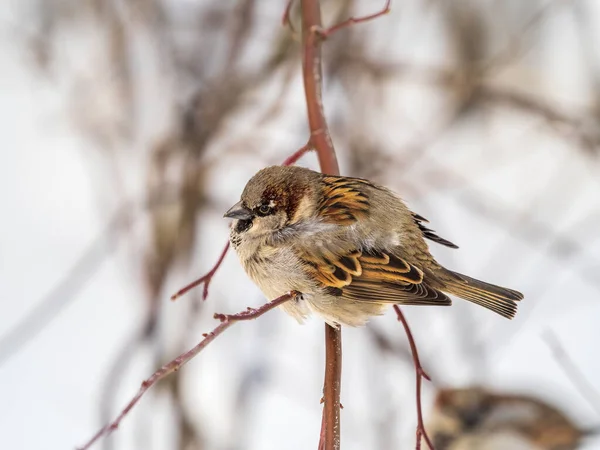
(256, 227)
(303, 211)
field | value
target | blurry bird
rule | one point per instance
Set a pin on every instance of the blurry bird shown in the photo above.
(350, 247)
(477, 419)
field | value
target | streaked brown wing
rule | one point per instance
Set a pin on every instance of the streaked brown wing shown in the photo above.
(344, 200)
(375, 276)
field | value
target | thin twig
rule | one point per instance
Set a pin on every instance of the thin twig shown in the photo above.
(293, 159)
(285, 19)
(226, 321)
(354, 20)
(205, 279)
(420, 374)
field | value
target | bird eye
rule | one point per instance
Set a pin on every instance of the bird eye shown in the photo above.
(264, 210)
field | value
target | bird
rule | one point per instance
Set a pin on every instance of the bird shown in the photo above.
(348, 246)
(476, 418)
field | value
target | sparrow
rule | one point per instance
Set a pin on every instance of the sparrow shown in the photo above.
(475, 418)
(349, 246)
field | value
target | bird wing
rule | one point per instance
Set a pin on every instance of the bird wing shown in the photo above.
(429, 233)
(371, 276)
(344, 200)
(353, 273)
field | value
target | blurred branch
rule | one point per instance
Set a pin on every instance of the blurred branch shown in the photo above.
(530, 230)
(575, 126)
(74, 279)
(242, 27)
(577, 377)
(324, 33)
(515, 47)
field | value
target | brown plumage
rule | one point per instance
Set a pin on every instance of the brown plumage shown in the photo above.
(350, 246)
(474, 418)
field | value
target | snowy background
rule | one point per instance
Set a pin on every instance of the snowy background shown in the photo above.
(95, 117)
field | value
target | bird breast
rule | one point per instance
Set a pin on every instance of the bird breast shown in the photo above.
(277, 270)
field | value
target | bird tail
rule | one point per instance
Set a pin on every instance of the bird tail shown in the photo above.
(498, 299)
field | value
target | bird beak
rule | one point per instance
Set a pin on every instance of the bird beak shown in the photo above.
(239, 211)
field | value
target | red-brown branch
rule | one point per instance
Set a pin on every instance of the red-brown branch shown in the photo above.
(321, 140)
(205, 279)
(312, 77)
(293, 158)
(181, 360)
(354, 20)
(420, 374)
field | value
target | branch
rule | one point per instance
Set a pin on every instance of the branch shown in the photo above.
(312, 77)
(354, 20)
(321, 140)
(285, 19)
(226, 321)
(420, 373)
(205, 279)
(293, 158)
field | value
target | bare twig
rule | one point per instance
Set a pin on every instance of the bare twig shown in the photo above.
(285, 19)
(293, 159)
(226, 321)
(205, 279)
(420, 374)
(354, 20)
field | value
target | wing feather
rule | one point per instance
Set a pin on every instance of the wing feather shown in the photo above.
(344, 200)
(429, 233)
(374, 276)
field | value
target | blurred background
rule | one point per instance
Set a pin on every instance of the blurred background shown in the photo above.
(130, 126)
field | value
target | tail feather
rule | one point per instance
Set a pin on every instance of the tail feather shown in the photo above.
(498, 299)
